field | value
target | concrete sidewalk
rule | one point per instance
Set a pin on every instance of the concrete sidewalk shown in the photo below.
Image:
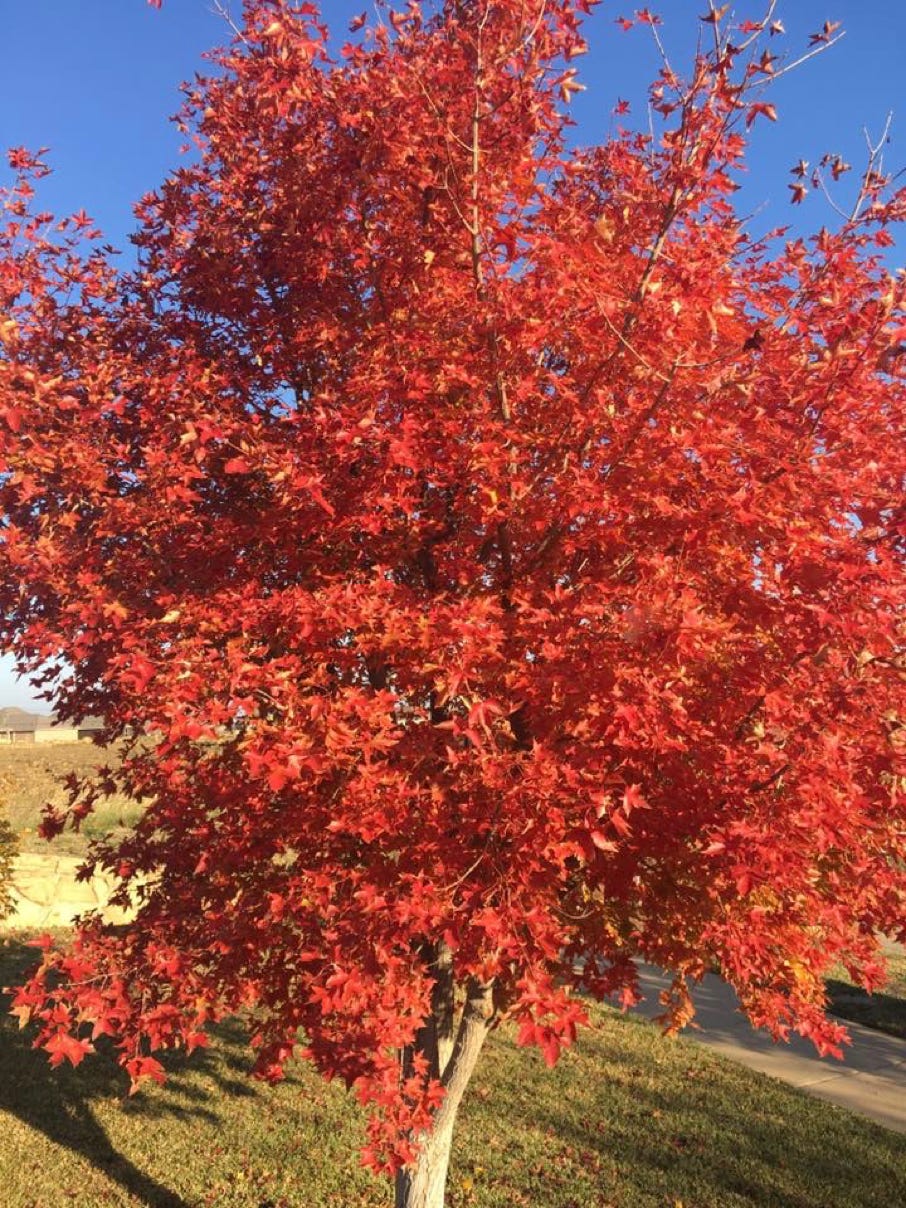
(870, 1080)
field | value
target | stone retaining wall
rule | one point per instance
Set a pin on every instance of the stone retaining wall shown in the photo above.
(45, 893)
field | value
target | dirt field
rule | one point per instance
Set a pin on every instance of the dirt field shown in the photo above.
(31, 776)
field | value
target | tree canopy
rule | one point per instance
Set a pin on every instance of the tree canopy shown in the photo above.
(487, 553)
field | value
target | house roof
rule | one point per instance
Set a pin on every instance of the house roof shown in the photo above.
(22, 721)
(13, 718)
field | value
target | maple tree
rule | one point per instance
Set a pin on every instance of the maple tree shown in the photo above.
(488, 555)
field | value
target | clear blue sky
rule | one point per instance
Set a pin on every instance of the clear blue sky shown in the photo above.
(96, 80)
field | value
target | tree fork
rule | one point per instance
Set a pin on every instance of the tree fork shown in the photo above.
(422, 1184)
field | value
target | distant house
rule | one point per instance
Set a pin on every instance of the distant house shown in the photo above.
(88, 727)
(47, 730)
(20, 726)
(17, 725)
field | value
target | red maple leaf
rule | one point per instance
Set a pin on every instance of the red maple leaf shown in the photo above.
(61, 1046)
(761, 109)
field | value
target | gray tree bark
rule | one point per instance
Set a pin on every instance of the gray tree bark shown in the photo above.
(422, 1185)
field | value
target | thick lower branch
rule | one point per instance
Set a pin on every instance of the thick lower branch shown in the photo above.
(477, 1019)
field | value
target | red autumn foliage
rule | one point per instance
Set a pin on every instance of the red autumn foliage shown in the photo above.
(490, 557)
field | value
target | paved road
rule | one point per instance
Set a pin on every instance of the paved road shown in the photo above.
(870, 1080)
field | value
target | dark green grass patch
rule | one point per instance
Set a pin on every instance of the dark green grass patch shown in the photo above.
(885, 1011)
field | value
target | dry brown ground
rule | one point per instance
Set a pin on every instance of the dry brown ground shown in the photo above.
(32, 775)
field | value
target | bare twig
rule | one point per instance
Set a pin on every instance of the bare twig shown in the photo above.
(762, 25)
(630, 348)
(221, 10)
(874, 166)
(809, 54)
(715, 27)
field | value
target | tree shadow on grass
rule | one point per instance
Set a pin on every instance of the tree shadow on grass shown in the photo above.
(59, 1103)
(727, 1134)
(883, 1012)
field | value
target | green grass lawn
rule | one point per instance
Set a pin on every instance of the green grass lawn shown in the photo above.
(627, 1119)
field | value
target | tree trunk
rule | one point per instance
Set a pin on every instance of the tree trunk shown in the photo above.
(422, 1184)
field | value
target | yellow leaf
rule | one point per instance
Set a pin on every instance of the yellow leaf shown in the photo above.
(604, 228)
(804, 976)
